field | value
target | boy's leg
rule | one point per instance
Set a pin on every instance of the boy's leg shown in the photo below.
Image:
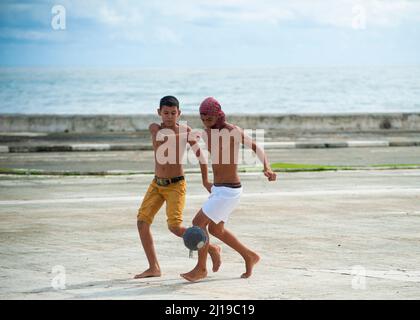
(250, 257)
(151, 204)
(177, 230)
(149, 249)
(175, 204)
(200, 270)
(214, 250)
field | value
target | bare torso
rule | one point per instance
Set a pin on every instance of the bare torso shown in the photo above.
(224, 171)
(176, 145)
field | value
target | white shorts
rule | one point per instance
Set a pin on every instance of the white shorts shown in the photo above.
(221, 202)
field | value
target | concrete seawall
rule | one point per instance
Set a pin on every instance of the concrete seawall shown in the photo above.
(287, 122)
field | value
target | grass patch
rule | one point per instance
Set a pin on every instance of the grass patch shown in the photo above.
(396, 165)
(316, 167)
(34, 172)
(278, 167)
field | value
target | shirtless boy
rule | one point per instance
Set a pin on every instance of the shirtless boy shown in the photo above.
(169, 183)
(226, 190)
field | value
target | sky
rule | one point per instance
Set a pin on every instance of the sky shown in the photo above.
(210, 33)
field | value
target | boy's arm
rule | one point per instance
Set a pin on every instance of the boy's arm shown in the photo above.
(250, 143)
(154, 129)
(192, 141)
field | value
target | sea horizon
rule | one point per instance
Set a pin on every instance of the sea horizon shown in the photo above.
(241, 90)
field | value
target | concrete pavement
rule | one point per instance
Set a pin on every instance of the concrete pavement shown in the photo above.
(138, 161)
(321, 235)
(23, 142)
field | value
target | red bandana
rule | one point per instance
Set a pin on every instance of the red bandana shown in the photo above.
(211, 107)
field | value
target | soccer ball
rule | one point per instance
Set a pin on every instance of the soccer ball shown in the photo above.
(194, 238)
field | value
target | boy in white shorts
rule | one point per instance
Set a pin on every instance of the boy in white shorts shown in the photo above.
(226, 189)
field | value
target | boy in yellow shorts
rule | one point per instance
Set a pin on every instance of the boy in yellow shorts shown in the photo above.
(169, 144)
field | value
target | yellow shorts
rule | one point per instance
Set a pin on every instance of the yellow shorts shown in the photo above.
(173, 194)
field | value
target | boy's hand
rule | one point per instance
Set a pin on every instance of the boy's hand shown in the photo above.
(270, 174)
(154, 127)
(208, 186)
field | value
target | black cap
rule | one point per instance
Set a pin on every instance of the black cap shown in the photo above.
(169, 101)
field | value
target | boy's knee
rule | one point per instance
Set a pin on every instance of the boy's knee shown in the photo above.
(215, 230)
(142, 225)
(195, 221)
(199, 221)
(176, 230)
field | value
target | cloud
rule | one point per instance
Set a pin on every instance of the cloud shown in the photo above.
(167, 36)
(116, 12)
(334, 13)
(27, 35)
(214, 30)
(134, 20)
(378, 13)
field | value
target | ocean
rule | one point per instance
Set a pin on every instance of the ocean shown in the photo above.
(280, 90)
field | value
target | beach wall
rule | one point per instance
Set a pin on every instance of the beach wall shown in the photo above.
(287, 122)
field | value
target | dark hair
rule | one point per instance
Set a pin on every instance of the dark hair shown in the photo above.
(169, 101)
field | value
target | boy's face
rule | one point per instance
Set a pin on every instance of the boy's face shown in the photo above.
(169, 115)
(208, 121)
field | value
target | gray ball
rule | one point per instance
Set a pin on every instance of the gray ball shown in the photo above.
(194, 238)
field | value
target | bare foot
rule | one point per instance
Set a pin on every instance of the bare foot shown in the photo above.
(214, 252)
(194, 275)
(148, 274)
(250, 262)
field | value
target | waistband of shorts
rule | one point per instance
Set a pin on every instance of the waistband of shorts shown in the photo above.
(168, 181)
(228, 185)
